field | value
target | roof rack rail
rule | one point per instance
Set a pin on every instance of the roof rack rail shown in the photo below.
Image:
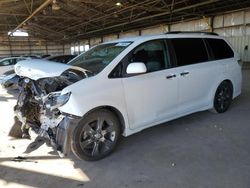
(191, 32)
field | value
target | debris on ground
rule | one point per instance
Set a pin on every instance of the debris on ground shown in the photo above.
(22, 159)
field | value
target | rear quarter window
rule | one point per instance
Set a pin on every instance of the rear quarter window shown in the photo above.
(220, 49)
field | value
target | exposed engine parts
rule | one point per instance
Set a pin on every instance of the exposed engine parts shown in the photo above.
(38, 103)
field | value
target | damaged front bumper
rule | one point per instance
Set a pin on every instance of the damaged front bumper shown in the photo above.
(40, 97)
(60, 137)
(38, 111)
(64, 133)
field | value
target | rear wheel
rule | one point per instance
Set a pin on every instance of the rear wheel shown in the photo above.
(96, 135)
(223, 97)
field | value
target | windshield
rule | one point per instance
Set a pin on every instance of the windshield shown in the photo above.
(97, 58)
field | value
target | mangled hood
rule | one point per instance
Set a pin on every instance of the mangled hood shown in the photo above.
(36, 68)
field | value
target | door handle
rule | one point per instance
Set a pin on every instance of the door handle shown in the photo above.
(184, 73)
(170, 76)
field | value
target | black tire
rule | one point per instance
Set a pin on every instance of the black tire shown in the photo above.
(96, 135)
(223, 97)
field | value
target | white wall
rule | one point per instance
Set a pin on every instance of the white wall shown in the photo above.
(17, 46)
(95, 41)
(195, 25)
(235, 27)
(129, 34)
(155, 30)
(239, 43)
(109, 38)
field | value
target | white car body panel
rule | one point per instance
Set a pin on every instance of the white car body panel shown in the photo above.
(148, 99)
(86, 96)
(192, 88)
(36, 68)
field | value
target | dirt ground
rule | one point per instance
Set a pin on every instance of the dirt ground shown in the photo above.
(202, 150)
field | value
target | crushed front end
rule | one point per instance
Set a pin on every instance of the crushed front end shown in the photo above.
(37, 108)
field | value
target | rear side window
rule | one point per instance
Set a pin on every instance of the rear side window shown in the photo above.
(220, 49)
(189, 50)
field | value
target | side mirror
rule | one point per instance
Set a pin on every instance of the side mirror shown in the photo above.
(136, 68)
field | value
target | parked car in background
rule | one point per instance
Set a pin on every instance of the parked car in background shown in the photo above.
(46, 55)
(7, 64)
(61, 58)
(122, 87)
(32, 56)
(8, 77)
(10, 81)
(2, 57)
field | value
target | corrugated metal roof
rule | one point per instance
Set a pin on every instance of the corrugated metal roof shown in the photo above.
(79, 19)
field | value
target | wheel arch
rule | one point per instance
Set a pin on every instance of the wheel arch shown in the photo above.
(213, 91)
(230, 82)
(112, 109)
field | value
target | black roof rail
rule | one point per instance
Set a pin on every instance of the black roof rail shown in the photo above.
(191, 32)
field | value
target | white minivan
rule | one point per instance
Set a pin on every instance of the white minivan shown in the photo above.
(124, 86)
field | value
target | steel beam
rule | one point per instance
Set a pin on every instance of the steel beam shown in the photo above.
(39, 9)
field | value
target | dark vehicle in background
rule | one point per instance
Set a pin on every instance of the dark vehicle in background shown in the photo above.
(32, 56)
(61, 58)
(44, 56)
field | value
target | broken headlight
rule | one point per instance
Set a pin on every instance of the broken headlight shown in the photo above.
(55, 100)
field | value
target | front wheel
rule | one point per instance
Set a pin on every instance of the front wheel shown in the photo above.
(223, 97)
(96, 135)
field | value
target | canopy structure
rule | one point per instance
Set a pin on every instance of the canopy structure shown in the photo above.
(69, 20)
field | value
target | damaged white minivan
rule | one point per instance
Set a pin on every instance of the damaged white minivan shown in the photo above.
(124, 86)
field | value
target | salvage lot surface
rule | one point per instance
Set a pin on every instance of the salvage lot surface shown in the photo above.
(200, 150)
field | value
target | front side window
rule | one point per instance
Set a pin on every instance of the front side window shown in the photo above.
(220, 49)
(152, 54)
(189, 50)
(97, 58)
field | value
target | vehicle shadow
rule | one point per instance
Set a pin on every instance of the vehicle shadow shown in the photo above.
(34, 179)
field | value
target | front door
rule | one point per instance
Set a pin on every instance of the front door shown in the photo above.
(153, 96)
